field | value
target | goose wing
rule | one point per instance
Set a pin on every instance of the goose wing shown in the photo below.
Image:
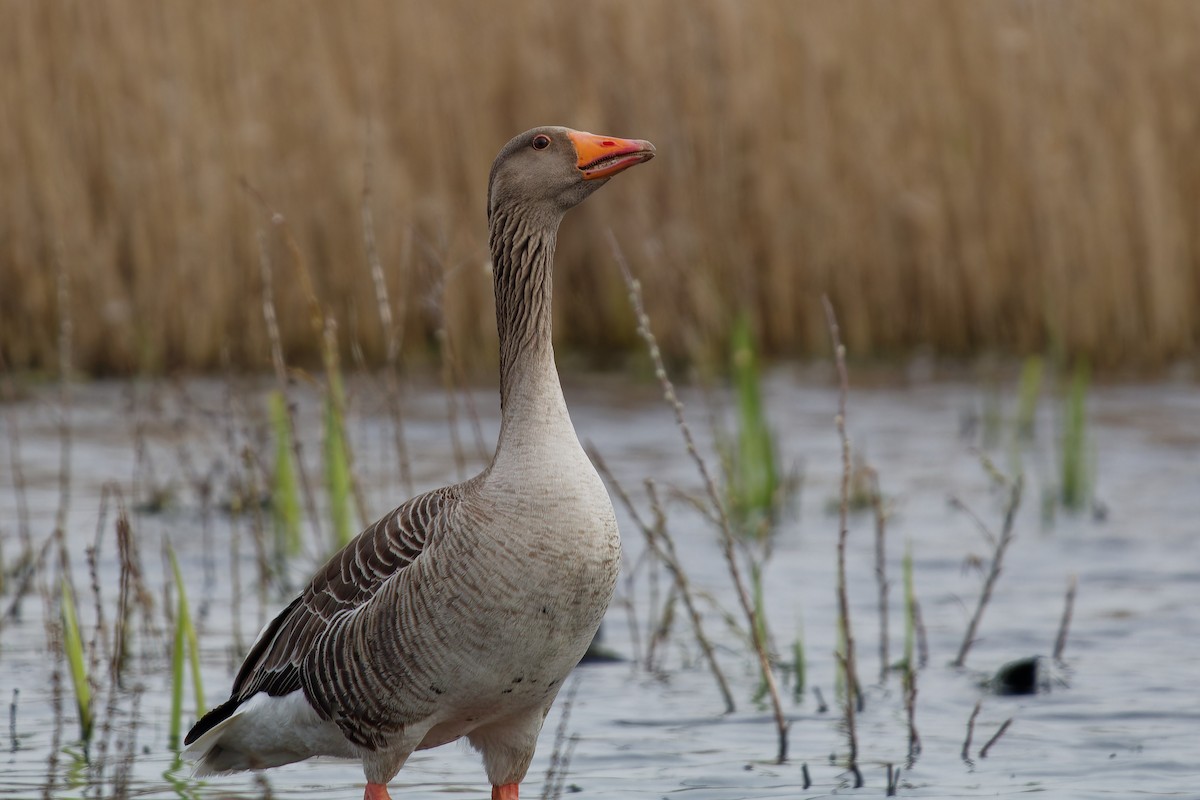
(349, 579)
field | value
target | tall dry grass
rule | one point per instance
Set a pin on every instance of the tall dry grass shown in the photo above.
(958, 176)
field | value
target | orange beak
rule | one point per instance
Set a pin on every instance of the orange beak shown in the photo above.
(604, 156)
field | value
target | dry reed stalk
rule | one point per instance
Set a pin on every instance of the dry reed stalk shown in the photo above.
(120, 644)
(393, 332)
(625, 601)
(660, 543)
(893, 780)
(238, 489)
(324, 328)
(922, 635)
(52, 622)
(728, 539)
(9, 394)
(668, 555)
(22, 573)
(337, 397)
(13, 746)
(1060, 641)
(910, 714)
(822, 706)
(65, 331)
(560, 756)
(881, 572)
(966, 748)
(661, 634)
(56, 707)
(133, 581)
(114, 650)
(847, 659)
(454, 382)
(259, 536)
(989, 583)
(99, 639)
(281, 382)
(983, 751)
(909, 115)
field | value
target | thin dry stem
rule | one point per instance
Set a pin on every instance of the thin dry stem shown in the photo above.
(847, 660)
(560, 756)
(129, 576)
(333, 369)
(989, 583)
(881, 571)
(966, 748)
(728, 539)
(14, 457)
(659, 541)
(64, 376)
(910, 713)
(983, 751)
(281, 382)
(1060, 641)
(667, 552)
(393, 331)
(918, 622)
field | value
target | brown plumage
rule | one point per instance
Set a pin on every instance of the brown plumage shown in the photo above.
(461, 612)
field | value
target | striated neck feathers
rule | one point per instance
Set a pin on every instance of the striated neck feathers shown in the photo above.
(522, 247)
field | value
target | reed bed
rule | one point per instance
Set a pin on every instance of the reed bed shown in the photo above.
(959, 177)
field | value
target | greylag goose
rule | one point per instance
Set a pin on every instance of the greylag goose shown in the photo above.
(460, 613)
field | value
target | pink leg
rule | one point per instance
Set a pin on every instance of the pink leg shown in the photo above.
(378, 791)
(506, 792)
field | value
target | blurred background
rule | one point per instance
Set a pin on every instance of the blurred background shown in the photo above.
(961, 178)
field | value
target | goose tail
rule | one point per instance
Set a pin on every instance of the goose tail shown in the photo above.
(260, 733)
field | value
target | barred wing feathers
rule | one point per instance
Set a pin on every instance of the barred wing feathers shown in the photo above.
(347, 581)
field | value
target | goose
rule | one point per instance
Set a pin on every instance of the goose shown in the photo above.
(460, 613)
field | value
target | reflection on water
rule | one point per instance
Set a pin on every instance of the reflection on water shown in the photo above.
(1120, 715)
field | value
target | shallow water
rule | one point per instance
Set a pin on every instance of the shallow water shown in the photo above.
(1119, 718)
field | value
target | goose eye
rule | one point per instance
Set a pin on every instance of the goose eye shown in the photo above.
(541, 141)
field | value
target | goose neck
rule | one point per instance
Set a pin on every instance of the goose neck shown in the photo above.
(522, 248)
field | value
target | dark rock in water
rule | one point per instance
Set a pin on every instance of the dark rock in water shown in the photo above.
(598, 653)
(1018, 677)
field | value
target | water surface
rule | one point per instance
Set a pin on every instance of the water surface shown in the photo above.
(1119, 718)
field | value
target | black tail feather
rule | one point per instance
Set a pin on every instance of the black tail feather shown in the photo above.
(212, 719)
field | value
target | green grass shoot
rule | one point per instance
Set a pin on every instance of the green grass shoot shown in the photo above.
(754, 480)
(1030, 389)
(1074, 488)
(285, 498)
(185, 639)
(73, 647)
(799, 668)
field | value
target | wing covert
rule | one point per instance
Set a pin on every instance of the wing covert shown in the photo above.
(349, 579)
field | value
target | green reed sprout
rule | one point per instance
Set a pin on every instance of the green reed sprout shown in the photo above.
(185, 634)
(1074, 488)
(799, 667)
(1030, 389)
(73, 647)
(753, 475)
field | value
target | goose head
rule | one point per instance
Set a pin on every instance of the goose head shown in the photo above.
(548, 170)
